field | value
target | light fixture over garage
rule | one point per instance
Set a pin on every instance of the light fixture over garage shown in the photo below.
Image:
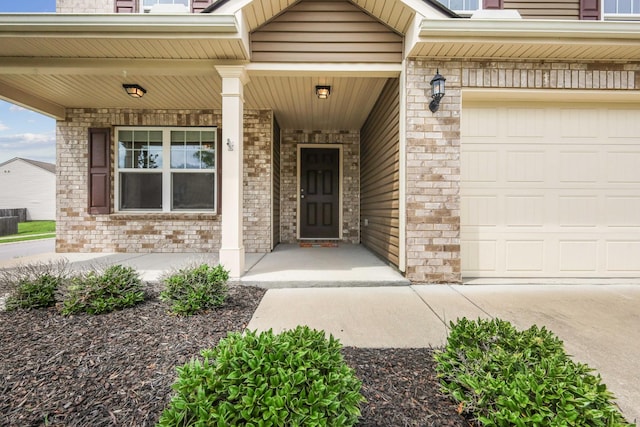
(437, 91)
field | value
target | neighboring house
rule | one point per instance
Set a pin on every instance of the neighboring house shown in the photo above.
(530, 167)
(29, 184)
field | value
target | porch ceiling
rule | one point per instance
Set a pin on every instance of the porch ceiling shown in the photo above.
(53, 62)
(292, 98)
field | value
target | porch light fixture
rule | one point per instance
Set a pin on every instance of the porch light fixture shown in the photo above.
(437, 91)
(323, 92)
(134, 91)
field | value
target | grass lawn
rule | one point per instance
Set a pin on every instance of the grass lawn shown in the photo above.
(32, 230)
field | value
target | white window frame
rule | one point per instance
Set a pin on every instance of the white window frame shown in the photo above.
(615, 16)
(463, 12)
(166, 170)
(147, 9)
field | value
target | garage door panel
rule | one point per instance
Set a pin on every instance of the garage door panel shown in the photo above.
(563, 205)
(525, 256)
(623, 123)
(579, 123)
(525, 166)
(481, 210)
(525, 211)
(622, 256)
(525, 122)
(579, 166)
(479, 255)
(623, 166)
(479, 166)
(577, 211)
(578, 256)
(622, 211)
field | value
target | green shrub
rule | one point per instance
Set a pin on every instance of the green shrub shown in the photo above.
(93, 292)
(34, 293)
(296, 378)
(505, 377)
(191, 290)
(33, 286)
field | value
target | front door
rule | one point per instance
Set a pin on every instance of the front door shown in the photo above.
(319, 193)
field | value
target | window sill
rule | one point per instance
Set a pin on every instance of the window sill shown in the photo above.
(165, 216)
(622, 17)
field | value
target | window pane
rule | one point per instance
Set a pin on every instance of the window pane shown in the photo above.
(125, 154)
(624, 6)
(636, 6)
(609, 6)
(177, 155)
(208, 156)
(472, 5)
(192, 149)
(146, 149)
(456, 5)
(193, 191)
(141, 191)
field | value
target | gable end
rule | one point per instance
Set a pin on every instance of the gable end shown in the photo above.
(325, 31)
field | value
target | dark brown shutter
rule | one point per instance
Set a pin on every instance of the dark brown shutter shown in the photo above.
(219, 172)
(99, 171)
(127, 6)
(590, 9)
(492, 4)
(198, 6)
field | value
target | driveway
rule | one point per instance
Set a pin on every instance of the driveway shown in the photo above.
(28, 248)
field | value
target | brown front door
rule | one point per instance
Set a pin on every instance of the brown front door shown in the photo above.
(319, 193)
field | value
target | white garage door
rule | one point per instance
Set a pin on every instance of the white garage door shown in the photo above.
(550, 190)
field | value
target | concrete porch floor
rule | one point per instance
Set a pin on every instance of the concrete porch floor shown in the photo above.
(289, 265)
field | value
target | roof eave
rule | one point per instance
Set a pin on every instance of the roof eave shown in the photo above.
(522, 29)
(116, 24)
(458, 38)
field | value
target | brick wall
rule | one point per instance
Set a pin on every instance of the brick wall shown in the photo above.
(85, 6)
(77, 231)
(350, 142)
(433, 145)
(257, 181)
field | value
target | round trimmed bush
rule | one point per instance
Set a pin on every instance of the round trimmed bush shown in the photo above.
(115, 288)
(39, 292)
(296, 378)
(195, 289)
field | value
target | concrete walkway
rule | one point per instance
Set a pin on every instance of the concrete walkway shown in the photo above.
(599, 324)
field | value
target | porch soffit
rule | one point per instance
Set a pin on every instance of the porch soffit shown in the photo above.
(527, 40)
(397, 14)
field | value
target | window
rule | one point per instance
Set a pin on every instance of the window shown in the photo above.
(461, 5)
(148, 4)
(622, 7)
(166, 170)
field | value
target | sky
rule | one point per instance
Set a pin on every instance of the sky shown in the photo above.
(25, 133)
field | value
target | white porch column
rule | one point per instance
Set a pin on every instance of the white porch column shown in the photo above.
(232, 249)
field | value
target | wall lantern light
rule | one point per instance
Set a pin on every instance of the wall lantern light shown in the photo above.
(323, 92)
(437, 91)
(134, 91)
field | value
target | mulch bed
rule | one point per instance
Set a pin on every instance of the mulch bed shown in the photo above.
(117, 369)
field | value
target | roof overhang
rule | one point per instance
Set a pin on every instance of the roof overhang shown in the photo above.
(519, 39)
(52, 61)
(50, 24)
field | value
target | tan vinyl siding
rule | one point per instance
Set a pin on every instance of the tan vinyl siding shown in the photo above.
(275, 197)
(532, 9)
(325, 31)
(380, 175)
